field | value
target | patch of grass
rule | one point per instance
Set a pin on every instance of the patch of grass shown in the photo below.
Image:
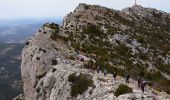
(122, 89)
(80, 83)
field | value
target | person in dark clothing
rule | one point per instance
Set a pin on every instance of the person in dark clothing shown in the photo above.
(139, 82)
(98, 69)
(77, 52)
(105, 72)
(142, 87)
(127, 78)
(114, 75)
(143, 84)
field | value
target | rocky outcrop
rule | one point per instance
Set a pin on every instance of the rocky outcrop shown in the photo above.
(19, 97)
(51, 56)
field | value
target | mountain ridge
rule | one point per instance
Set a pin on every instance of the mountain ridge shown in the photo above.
(117, 41)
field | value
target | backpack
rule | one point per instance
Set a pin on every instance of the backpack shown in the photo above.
(144, 82)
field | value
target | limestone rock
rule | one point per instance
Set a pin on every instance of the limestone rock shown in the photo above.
(47, 63)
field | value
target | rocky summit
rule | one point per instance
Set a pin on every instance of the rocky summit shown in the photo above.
(61, 62)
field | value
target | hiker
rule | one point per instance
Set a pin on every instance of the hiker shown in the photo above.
(139, 82)
(127, 78)
(143, 84)
(114, 75)
(98, 69)
(77, 52)
(105, 72)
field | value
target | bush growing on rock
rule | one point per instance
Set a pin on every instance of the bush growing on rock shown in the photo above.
(44, 50)
(45, 32)
(123, 89)
(38, 58)
(27, 43)
(80, 83)
(110, 69)
(72, 57)
(54, 62)
(55, 27)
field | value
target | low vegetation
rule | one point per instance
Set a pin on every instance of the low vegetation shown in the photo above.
(123, 89)
(54, 62)
(158, 81)
(55, 30)
(27, 43)
(80, 83)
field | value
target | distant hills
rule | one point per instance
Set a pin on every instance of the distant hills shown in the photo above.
(10, 59)
(14, 31)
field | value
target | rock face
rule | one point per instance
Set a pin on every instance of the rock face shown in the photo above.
(51, 56)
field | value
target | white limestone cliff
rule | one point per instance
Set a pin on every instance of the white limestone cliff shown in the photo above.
(44, 80)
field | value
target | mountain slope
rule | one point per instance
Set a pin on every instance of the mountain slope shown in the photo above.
(135, 40)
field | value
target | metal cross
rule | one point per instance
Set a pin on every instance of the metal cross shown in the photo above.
(135, 2)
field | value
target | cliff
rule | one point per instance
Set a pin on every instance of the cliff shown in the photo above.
(58, 60)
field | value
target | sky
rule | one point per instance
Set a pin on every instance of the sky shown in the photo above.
(13, 9)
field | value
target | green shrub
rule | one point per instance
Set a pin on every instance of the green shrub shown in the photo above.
(38, 58)
(72, 57)
(123, 50)
(141, 39)
(27, 43)
(80, 83)
(110, 69)
(54, 26)
(92, 30)
(123, 89)
(44, 50)
(54, 62)
(86, 7)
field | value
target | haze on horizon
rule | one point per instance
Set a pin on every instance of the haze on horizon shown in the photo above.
(17, 9)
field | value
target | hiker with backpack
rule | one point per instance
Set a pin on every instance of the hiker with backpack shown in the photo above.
(105, 72)
(139, 81)
(127, 77)
(143, 84)
(114, 75)
(98, 69)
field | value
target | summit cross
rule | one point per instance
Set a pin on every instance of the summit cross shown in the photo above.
(135, 2)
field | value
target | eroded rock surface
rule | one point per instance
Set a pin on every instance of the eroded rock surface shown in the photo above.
(47, 63)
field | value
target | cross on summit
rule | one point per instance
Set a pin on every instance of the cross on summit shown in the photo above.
(135, 2)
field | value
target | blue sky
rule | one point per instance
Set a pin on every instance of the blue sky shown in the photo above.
(10, 9)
